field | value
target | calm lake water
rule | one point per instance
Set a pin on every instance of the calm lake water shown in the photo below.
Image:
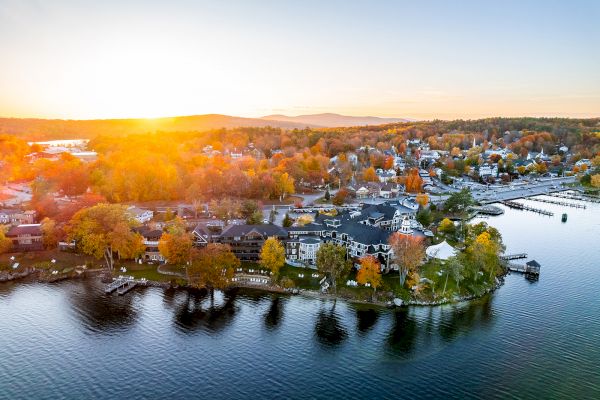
(532, 340)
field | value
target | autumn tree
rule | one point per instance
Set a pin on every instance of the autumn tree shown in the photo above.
(331, 260)
(595, 181)
(105, 230)
(414, 183)
(5, 243)
(176, 244)
(369, 272)
(369, 175)
(409, 252)
(50, 234)
(272, 255)
(422, 199)
(212, 267)
(446, 226)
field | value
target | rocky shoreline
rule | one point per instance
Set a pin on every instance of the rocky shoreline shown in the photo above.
(44, 277)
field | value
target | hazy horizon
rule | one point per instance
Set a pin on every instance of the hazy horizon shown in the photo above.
(147, 59)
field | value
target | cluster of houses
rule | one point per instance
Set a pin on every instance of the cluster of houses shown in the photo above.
(53, 149)
(24, 233)
(362, 232)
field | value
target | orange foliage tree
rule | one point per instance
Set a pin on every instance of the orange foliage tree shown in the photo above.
(369, 272)
(408, 253)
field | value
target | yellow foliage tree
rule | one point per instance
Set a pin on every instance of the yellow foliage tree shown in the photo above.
(272, 255)
(596, 180)
(422, 199)
(446, 225)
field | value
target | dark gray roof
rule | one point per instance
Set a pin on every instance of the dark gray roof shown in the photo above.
(243, 230)
(533, 263)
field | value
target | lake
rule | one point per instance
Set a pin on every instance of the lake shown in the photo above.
(530, 340)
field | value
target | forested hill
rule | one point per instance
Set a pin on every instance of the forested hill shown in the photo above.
(48, 129)
(563, 129)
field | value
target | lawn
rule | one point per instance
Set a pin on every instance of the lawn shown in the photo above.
(42, 259)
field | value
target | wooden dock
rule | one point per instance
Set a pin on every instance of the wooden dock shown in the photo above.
(557, 202)
(515, 256)
(521, 206)
(124, 284)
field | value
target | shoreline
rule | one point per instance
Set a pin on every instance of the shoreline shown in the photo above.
(41, 277)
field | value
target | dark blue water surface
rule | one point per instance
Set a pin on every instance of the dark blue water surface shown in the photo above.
(533, 340)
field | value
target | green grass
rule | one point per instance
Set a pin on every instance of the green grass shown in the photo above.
(142, 271)
(41, 260)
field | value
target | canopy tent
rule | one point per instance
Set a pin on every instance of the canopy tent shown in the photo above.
(441, 251)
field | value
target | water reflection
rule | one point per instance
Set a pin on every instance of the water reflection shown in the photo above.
(274, 314)
(475, 314)
(402, 337)
(200, 311)
(366, 319)
(328, 329)
(100, 312)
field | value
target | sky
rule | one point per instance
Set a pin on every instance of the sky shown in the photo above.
(415, 59)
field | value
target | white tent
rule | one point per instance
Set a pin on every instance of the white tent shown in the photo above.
(442, 251)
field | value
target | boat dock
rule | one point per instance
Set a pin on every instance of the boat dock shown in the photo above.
(580, 197)
(521, 206)
(123, 284)
(515, 256)
(558, 202)
(488, 210)
(529, 268)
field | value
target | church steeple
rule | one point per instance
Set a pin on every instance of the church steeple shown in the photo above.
(474, 144)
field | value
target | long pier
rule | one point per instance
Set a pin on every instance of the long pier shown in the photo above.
(558, 202)
(521, 206)
(571, 196)
(515, 256)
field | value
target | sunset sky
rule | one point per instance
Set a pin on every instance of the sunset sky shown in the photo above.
(417, 59)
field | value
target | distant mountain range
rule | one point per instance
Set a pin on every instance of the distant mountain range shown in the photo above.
(333, 120)
(45, 129)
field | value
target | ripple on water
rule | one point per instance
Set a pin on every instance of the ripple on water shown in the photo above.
(527, 340)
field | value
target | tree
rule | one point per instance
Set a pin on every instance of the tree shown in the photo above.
(272, 215)
(331, 260)
(369, 175)
(5, 243)
(212, 267)
(272, 255)
(422, 199)
(103, 230)
(340, 197)
(595, 181)
(408, 253)
(459, 201)
(176, 244)
(369, 272)
(446, 226)
(414, 183)
(327, 196)
(455, 268)
(256, 218)
(287, 221)
(49, 233)
(424, 217)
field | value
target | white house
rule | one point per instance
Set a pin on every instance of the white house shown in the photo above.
(139, 214)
